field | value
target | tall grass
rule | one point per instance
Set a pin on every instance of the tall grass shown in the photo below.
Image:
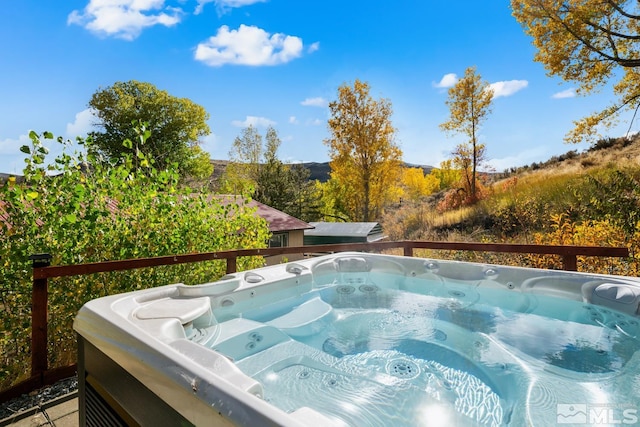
(595, 206)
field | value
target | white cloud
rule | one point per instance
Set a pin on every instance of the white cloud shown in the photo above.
(209, 142)
(253, 121)
(313, 47)
(293, 120)
(314, 102)
(314, 122)
(568, 93)
(12, 159)
(223, 6)
(520, 159)
(82, 125)
(124, 19)
(248, 45)
(448, 80)
(507, 88)
(12, 146)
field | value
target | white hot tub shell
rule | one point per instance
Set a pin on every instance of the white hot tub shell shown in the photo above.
(170, 355)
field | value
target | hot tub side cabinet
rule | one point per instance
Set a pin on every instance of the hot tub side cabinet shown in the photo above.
(109, 396)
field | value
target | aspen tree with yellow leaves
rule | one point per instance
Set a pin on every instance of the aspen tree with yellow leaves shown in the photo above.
(416, 185)
(590, 43)
(364, 158)
(469, 104)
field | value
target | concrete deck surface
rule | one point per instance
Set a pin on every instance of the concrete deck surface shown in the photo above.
(60, 412)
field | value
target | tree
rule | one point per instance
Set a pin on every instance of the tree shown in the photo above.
(257, 168)
(105, 212)
(272, 178)
(417, 185)
(446, 174)
(304, 195)
(364, 159)
(587, 42)
(242, 173)
(175, 125)
(469, 104)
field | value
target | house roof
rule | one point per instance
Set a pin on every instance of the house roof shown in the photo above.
(372, 231)
(278, 221)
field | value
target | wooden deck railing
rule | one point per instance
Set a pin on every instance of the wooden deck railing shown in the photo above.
(42, 271)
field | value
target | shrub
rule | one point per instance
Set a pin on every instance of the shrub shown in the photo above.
(81, 210)
(588, 233)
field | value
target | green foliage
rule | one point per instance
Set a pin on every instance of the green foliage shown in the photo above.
(287, 188)
(447, 175)
(257, 168)
(242, 173)
(199, 164)
(174, 125)
(82, 210)
(611, 194)
(333, 197)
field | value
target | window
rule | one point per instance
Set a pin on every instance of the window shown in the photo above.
(279, 240)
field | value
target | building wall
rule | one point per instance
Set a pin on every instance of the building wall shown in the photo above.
(296, 238)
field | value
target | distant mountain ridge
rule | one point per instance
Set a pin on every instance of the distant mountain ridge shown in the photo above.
(317, 171)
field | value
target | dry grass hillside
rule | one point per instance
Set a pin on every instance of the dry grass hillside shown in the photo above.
(590, 198)
(618, 151)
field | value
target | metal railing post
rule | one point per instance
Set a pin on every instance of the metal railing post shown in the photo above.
(408, 249)
(232, 265)
(39, 315)
(570, 262)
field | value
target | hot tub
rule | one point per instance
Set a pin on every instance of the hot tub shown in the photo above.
(366, 340)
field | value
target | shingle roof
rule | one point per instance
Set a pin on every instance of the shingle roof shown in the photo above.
(278, 221)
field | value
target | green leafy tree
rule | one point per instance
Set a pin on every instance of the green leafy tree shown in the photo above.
(285, 187)
(305, 199)
(273, 179)
(82, 210)
(588, 42)
(175, 125)
(365, 160)
(332, 197)
(199, 165)
(469, 104)
(242, 173)
(256, 167)
(446, 174)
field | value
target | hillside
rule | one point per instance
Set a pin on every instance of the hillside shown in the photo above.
(317, 171)
(619, 151)
(599, 184)
(613, 150)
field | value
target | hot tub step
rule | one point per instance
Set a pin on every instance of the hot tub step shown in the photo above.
(300, 321)
(240, 338)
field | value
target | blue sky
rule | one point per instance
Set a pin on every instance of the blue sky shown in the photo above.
(279, 63)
